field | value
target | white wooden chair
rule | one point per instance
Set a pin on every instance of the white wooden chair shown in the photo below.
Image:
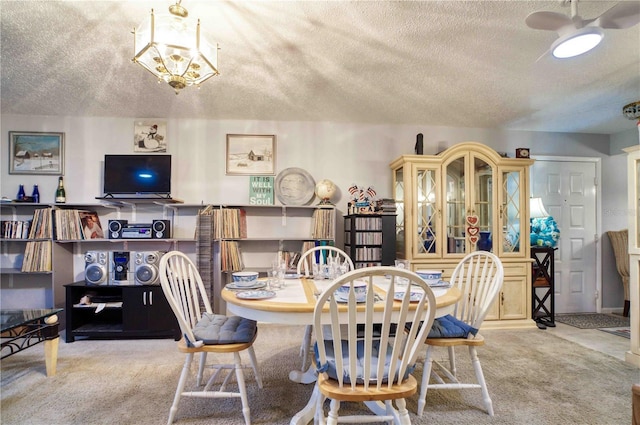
(320, 255)
(350, 338)
(479, 277)
(205, 332)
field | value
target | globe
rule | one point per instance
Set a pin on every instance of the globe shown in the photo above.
(325, 189)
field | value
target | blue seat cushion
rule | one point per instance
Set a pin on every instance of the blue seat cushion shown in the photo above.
(330, 366)
(218, 329)
(450, 327)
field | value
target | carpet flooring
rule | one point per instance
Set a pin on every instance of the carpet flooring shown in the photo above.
(534, 378)
(592, 320)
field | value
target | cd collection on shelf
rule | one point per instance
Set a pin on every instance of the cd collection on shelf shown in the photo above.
(16, 229)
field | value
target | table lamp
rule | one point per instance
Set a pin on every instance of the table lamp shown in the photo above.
(544, 229)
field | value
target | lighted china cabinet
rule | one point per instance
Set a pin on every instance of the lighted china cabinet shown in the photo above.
(464, 199)
(633, 161)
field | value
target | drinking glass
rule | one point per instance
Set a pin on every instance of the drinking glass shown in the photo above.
(278, 269)
(402, 264)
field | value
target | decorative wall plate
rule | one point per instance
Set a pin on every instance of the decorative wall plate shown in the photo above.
(295, 186)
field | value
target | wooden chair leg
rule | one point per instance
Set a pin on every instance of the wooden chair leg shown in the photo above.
(254, 366)
(246, 412)
(426, 373)
(203, 362)
(488, 404)
(181, 383)
(332, 419)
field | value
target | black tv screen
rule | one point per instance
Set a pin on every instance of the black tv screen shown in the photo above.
(137, 174)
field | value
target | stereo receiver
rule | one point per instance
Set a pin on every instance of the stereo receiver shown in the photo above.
(137, 231)
(122, 229)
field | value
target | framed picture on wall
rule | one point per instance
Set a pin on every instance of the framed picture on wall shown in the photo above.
(251, 154)
(150, 136)
(33, 152)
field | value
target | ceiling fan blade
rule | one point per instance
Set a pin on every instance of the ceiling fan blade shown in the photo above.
(623, 15)
(545, 20)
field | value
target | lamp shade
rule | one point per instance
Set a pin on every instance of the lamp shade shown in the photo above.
(576, 42)
(536, 208)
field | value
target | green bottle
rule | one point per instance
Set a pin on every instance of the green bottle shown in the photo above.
(61, 196)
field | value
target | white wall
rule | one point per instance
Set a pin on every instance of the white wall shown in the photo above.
(343, 153)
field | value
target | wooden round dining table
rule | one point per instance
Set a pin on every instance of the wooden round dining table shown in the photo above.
(294, 304)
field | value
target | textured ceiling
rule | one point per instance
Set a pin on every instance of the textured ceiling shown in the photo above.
(435, 63)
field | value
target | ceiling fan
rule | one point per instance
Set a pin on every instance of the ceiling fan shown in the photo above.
(578, 35)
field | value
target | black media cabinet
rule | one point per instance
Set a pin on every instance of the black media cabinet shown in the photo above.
(139, 311)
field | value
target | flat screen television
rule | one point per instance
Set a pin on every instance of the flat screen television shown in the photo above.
(137, 175)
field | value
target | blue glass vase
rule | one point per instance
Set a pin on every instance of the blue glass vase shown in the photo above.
(484, 244)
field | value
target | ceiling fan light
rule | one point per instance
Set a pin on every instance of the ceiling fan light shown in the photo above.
(577, 42)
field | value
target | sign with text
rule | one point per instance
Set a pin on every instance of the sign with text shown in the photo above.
(261, 190)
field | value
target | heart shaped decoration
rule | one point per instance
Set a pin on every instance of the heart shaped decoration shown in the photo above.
(472, 220)
(472, 230)
(473, 239)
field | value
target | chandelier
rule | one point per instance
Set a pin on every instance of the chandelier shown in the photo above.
(170, 47)
(632, 110)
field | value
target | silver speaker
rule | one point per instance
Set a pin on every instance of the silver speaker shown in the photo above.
(146, 265)
(96, 267)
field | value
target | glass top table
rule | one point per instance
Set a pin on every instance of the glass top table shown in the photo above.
(24, 328)
(11, 319)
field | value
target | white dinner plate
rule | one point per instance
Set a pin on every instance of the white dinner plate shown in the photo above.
(440, 284)
(256, 285)
(292, 276)
(255, 295)
(415, 296)
(341, 299)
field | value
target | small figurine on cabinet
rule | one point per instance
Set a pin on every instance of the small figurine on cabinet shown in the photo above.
(362, 201)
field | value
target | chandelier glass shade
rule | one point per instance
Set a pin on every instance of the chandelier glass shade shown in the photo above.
(576, 42)
(171, 48)
(632, 110)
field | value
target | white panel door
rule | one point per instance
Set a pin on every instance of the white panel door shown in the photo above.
(568, 192)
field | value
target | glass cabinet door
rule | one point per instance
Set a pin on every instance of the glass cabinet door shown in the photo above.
(483, 201)
(513, 227)
(398, 192)
(455, 209)
(427, 238)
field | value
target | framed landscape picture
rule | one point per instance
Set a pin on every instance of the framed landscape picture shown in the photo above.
(251, 154)
(36, 153)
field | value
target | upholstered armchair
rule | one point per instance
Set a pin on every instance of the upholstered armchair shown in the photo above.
(620, 243)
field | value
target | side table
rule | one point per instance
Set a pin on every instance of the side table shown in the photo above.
(542, 287)
(22, 329)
